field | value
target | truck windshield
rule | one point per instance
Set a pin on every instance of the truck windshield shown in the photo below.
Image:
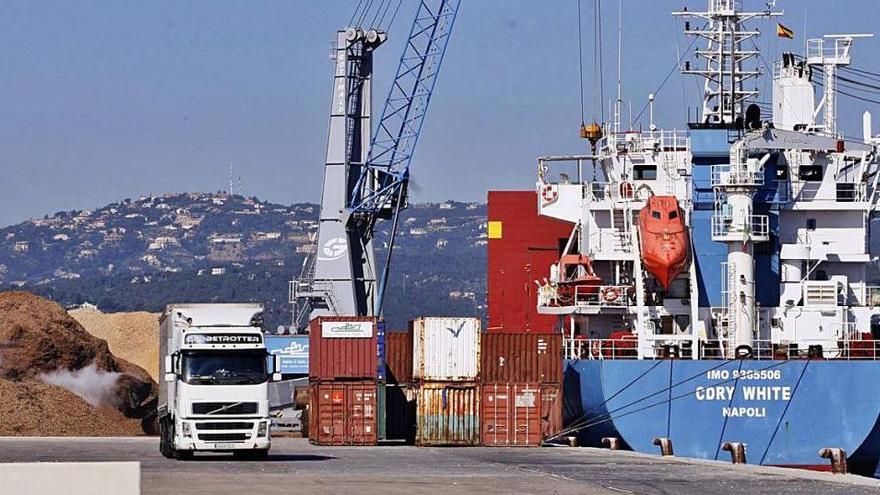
(224, 367)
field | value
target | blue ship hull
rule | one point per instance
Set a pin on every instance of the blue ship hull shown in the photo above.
(784, 411)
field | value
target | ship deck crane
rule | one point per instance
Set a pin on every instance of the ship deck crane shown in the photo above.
(364, 185)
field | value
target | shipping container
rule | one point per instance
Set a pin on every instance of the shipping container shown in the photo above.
(399, 357)
(522, 246)
(448, 413)
(343, 347)
(400, 413)
(551, 410)
(511, 414)
(343, 413)
(521, 357)
(446, 349)
(520, 414)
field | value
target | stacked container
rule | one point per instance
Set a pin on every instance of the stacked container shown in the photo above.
(342, 380)
(522, 388)
(400, 403)
(446, 372)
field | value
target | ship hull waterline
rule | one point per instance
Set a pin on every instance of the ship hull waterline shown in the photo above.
(783, 411)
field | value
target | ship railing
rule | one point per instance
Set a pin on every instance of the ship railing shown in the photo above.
(842, 192)
(855, 348)
(637, 142)
(726, 227)
(608, 191)
(579, 348)
(727, 175)
(605, 295)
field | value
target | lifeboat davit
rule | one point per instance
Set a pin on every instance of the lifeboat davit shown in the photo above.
(665, 240)
(576, 277)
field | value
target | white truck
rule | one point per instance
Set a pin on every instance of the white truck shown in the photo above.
(213, 392)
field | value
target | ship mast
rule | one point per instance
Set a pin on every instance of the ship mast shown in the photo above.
(725, 59)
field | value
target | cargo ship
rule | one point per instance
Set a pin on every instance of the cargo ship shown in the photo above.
(711, 283)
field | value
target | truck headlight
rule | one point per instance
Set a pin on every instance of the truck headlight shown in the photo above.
(262, 429)
(185, 429)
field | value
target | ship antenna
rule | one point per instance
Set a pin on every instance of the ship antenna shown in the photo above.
(619, 48)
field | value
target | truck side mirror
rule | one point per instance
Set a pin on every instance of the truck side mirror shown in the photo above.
(169, 365)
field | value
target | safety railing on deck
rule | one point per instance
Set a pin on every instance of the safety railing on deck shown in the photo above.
(726, 227)
(725, 175)
(854, 349)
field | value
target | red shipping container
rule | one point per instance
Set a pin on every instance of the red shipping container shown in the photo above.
(521, 357)
(522, 246)
(343, 413)
(511, 414)
(399, 357)
(343, 347)
(551, 410)
(520, 414)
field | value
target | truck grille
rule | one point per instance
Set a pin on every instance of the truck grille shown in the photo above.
(231, 408)
(224, 426)
(224, 437)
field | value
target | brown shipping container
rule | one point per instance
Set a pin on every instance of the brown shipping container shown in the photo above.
(399, 357)
(333, 355)
(448, 413)
(521, 357)
(511, 414)
(343, 413)
(519, 414)
(551, 410)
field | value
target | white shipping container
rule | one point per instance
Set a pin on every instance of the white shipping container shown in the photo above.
(446, 349)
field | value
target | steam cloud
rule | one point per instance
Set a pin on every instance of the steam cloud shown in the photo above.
(93, 385)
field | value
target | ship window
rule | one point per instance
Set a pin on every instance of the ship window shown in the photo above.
(645, 172)
(811, 224)
(656, 214)
(673, 215)
(810, 172)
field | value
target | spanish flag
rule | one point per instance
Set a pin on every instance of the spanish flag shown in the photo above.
(784, 32)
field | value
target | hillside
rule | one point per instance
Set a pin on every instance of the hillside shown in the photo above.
(138, 255)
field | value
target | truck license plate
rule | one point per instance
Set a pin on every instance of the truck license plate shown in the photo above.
(220, 446)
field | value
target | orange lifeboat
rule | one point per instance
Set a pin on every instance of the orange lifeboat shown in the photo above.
(573, 281)
(665, 240)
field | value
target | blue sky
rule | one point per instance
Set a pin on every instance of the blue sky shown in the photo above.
(103, 100)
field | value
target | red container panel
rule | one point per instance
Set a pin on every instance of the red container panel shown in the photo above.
(343, 413)
(520, 414)
(334, 358)
(551, 410)
(523, 252)
(399, 357)
(521, 357)
(511, 414)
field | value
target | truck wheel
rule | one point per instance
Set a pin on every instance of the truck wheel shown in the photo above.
(165, 447)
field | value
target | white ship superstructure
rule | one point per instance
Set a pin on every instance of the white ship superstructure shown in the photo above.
(790, 199)
(602, 194)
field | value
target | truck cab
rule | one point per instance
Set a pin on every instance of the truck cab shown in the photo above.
(213, 393)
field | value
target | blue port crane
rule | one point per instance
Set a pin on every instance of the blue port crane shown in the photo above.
(363, 185)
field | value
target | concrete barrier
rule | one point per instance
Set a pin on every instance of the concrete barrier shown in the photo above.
(71, 478)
